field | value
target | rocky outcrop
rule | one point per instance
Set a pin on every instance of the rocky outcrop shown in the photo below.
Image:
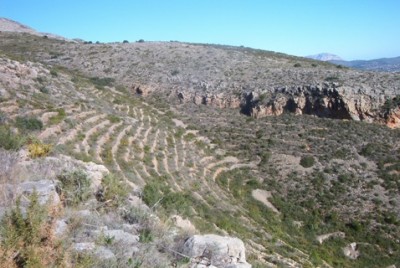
(220, 100)
(328, 100)
(215, 251)
(351, 251)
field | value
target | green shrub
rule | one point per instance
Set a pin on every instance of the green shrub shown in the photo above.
(10, 140)
(100, 83)
(152, 193)
(113, 118)
(58, 118)
(297, 65)
(145, 236)
(112, 192)
(74, 187)
(332, 79)
(28, 123)
(27, 238)
(307, 161)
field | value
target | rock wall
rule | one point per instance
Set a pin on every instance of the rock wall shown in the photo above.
(328, 100)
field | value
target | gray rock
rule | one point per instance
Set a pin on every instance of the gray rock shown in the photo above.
(46, 190)
(85, 246)
(60, 228)
(216, 250)
(119, 236)
(104, 253)
(351, 251)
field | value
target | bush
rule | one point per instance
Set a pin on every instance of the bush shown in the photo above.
(28, 123)
(58, 118)
(307, 161)
(151, 193)
(100, 83)
(112, 192)
(74, 187)
(10, 140)
(38, 149)
(297, 65)
(27, 238)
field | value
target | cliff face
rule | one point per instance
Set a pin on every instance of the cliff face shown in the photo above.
(327, 100)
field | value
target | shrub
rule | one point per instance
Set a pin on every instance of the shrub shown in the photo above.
(53, 73)
(297, 65)
(10, 140)
(38, 149)
(125, 42)
(307, 161)
(113, 118)
(151, 193)
(112, 192)
(27, 238)
(74, 187)
(332, 79)
(58, 118)
(100, 83)
(28, 123)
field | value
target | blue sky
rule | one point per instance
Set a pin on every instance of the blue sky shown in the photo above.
(352, 29)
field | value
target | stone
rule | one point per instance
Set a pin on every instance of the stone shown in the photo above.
(46, 190)
(351, 251)
(104, 253)
(121, 236)
(322, 238)
(60, 228)
(220, 251)
(85, 246)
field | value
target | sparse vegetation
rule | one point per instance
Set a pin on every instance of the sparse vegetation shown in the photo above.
(38, 149)
(26, 238)
(74, 187)
(28, 123)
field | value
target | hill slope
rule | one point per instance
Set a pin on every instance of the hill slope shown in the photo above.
(281, 184)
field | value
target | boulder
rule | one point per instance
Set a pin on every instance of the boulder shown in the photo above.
(219, 251)
(351, 251)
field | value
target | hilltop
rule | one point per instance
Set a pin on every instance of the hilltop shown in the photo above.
(165, 140)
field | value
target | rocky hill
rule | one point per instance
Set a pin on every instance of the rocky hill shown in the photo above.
(259, 83)
(141, 152)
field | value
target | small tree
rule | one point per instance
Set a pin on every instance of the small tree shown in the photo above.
(307, 161)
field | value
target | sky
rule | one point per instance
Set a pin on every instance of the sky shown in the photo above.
(352, 29)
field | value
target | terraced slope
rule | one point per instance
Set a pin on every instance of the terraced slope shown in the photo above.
(142, 144)
(277, 183)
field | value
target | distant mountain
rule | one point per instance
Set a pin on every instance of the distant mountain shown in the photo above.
(325, 57)
(383, 65)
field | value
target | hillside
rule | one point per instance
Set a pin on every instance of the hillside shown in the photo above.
(382, 65)
(186, 135)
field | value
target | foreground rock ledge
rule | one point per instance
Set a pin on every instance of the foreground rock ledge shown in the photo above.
(215, 251)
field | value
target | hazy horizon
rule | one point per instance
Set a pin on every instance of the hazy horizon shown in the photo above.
(350, 29)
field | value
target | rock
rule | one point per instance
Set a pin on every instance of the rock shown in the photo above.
(184, 224)
(120, 236)
(104, 253)
(322, 238)
(215, 250)
(351, 252)
(46, 190)
(83, 247)
(60, 228)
